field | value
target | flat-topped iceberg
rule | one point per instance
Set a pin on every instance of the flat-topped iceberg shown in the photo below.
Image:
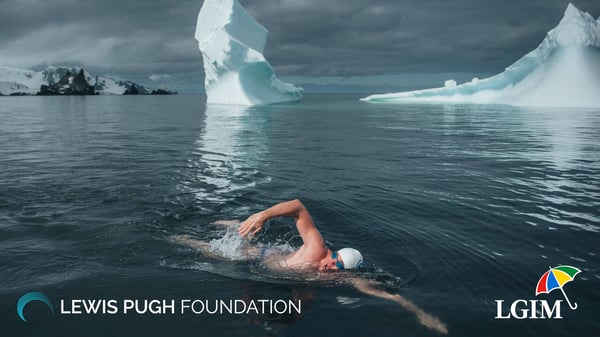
(563, 71)
(232, 44)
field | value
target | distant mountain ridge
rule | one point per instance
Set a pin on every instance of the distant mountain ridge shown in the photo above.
(16, 81)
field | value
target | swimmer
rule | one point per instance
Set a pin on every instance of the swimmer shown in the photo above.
(314, 254)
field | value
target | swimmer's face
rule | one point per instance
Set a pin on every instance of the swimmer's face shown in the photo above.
(332, 262)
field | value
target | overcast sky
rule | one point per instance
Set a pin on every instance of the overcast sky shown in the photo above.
(333, 41)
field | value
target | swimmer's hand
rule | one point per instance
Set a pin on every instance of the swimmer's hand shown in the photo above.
(252, 225)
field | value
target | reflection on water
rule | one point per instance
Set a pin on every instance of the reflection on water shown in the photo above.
(543, 162)
(565, 163)
(225, 162)
(566, 135)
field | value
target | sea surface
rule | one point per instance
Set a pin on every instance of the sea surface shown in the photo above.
(453, 207)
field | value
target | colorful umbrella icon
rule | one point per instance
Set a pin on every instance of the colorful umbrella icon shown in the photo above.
(555, 278)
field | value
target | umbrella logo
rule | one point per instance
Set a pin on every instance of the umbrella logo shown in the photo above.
(32, 296)
(556, 278)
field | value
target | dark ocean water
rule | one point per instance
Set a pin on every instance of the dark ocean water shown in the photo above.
(453, 207)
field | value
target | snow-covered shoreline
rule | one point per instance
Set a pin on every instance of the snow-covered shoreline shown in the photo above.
(16, 81)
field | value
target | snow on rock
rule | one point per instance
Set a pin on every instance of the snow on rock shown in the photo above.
(105, 85)
(22, 81)
(232, 44)
(15, 80)
(69, 84)
(563, 71)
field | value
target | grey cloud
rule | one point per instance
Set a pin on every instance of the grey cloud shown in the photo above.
(137, 38)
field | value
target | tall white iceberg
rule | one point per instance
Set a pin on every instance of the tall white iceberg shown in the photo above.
(563, 71)
(232, 44)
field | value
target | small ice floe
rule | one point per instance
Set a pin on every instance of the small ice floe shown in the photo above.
(449, 83)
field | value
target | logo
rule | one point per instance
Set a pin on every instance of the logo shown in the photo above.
(554, 278)
(32, 296)
(198, 306)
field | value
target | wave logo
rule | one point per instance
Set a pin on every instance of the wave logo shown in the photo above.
(554, 278)
(29, 297)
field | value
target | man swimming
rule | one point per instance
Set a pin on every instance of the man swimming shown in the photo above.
(312, 255)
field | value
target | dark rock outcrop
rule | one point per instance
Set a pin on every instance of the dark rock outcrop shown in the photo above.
(69, 84)
(163, 92)
(132, 90)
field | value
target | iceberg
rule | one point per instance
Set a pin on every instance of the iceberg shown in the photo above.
(563, 71)
(232, 43)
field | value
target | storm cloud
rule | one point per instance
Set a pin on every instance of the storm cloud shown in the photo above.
(145, 39)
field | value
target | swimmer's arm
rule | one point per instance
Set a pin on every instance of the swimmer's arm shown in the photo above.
(187, 240)
(370, 288)
(227, 222)
(295, 209)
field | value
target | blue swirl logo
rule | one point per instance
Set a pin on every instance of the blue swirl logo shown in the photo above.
(32, 296)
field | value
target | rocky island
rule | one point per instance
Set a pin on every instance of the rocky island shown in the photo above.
(67, 80)
(69, 84)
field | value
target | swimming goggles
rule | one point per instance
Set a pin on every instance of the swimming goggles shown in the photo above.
(338, 264)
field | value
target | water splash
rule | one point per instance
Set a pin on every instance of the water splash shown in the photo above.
(230, 246)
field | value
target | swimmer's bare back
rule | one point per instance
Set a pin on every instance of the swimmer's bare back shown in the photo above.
(284, 261)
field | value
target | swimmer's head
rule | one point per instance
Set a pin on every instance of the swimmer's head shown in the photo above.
(351, 258)
(346, 258)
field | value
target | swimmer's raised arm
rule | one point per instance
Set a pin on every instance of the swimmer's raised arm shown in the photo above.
(293, 208)
(370, 287)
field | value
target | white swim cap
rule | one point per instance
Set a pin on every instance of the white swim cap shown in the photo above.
(352, 258)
